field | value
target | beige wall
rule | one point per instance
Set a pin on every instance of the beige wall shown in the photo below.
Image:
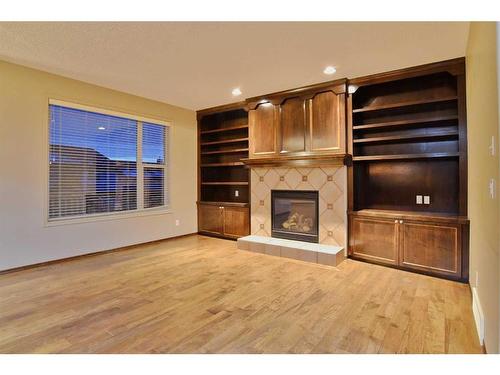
(484, 213)
(24, 237)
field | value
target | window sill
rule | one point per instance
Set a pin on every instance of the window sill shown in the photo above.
(109, 216)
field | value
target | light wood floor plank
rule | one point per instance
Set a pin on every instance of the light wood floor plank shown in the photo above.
(201, 295)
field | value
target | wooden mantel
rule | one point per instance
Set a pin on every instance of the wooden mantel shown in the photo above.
(299, 161)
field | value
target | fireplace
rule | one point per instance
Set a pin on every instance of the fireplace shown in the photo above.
(294, 214)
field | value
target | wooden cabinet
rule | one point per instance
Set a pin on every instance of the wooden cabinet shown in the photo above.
(210, 219)
(235, 221)
(407, 133)
(431, 244)
(223, 180)
(375, 239)
(327, 128)
(309, 121)
(262, 130)
(227, 221)
(431, 247)
(292, 125)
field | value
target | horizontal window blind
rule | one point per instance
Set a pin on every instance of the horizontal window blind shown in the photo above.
(153, 154)
(93, 163)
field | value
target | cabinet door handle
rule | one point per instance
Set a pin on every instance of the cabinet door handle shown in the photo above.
(395, 221)
(400, 221)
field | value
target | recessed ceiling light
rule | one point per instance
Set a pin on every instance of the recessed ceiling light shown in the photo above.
(352, 89)
(329, 70)
(236, 91)
(101, 128)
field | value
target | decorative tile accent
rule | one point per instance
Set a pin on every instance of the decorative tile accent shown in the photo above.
(293, 178)
(316, 178)
(329, 181)
(271, 178)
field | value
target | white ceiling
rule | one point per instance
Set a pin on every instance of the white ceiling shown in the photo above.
(196, 65)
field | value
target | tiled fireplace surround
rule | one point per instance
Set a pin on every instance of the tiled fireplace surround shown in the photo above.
(330, 182)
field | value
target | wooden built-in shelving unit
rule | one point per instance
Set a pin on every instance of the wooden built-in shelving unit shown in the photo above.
(407, 135)
(223, 187)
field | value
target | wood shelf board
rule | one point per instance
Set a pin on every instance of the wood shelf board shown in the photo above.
(221, 203)
(234, 140)
(404, 104)
(235, 183)
(230, 151)
(433, 155)
(402, 123)
(221, 130)
(234, 164)
(406, 138)
(299, 161)
(411, 215)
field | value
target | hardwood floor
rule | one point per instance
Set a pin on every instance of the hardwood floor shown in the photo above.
(201, 295)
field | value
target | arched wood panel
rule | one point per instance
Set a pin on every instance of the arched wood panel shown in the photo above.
(262, 130)
(327, 122)
(293, 125)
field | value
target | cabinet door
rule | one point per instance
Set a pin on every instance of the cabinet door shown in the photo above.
(262, 130)
(210, 219)
(374, 239)
(431, 247)
(236, 221)
(327, 122)
(292, 126)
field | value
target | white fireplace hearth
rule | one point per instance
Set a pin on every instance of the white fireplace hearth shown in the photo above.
(298, 250)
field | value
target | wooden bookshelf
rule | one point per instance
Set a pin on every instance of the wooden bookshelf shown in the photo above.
(223, 180)
(408, 140)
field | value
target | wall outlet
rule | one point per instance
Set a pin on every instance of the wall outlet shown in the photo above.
(492, 146)
(236, 193)
(419, 199)
(177, 222)
(492, 188)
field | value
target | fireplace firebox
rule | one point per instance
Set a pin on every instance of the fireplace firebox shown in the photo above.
(294, 215)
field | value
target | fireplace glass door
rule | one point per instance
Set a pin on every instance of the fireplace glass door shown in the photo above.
(295, 214)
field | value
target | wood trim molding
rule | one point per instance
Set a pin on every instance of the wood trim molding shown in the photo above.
(454, 66)
(221, 108)
(338, 86)
(299, 161)
(95, 253)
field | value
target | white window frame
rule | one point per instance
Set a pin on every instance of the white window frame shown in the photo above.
(140, 210)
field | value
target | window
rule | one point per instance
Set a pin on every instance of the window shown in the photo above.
(101, 163)
(153, 157)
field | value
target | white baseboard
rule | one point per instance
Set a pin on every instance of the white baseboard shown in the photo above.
(478, 315)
